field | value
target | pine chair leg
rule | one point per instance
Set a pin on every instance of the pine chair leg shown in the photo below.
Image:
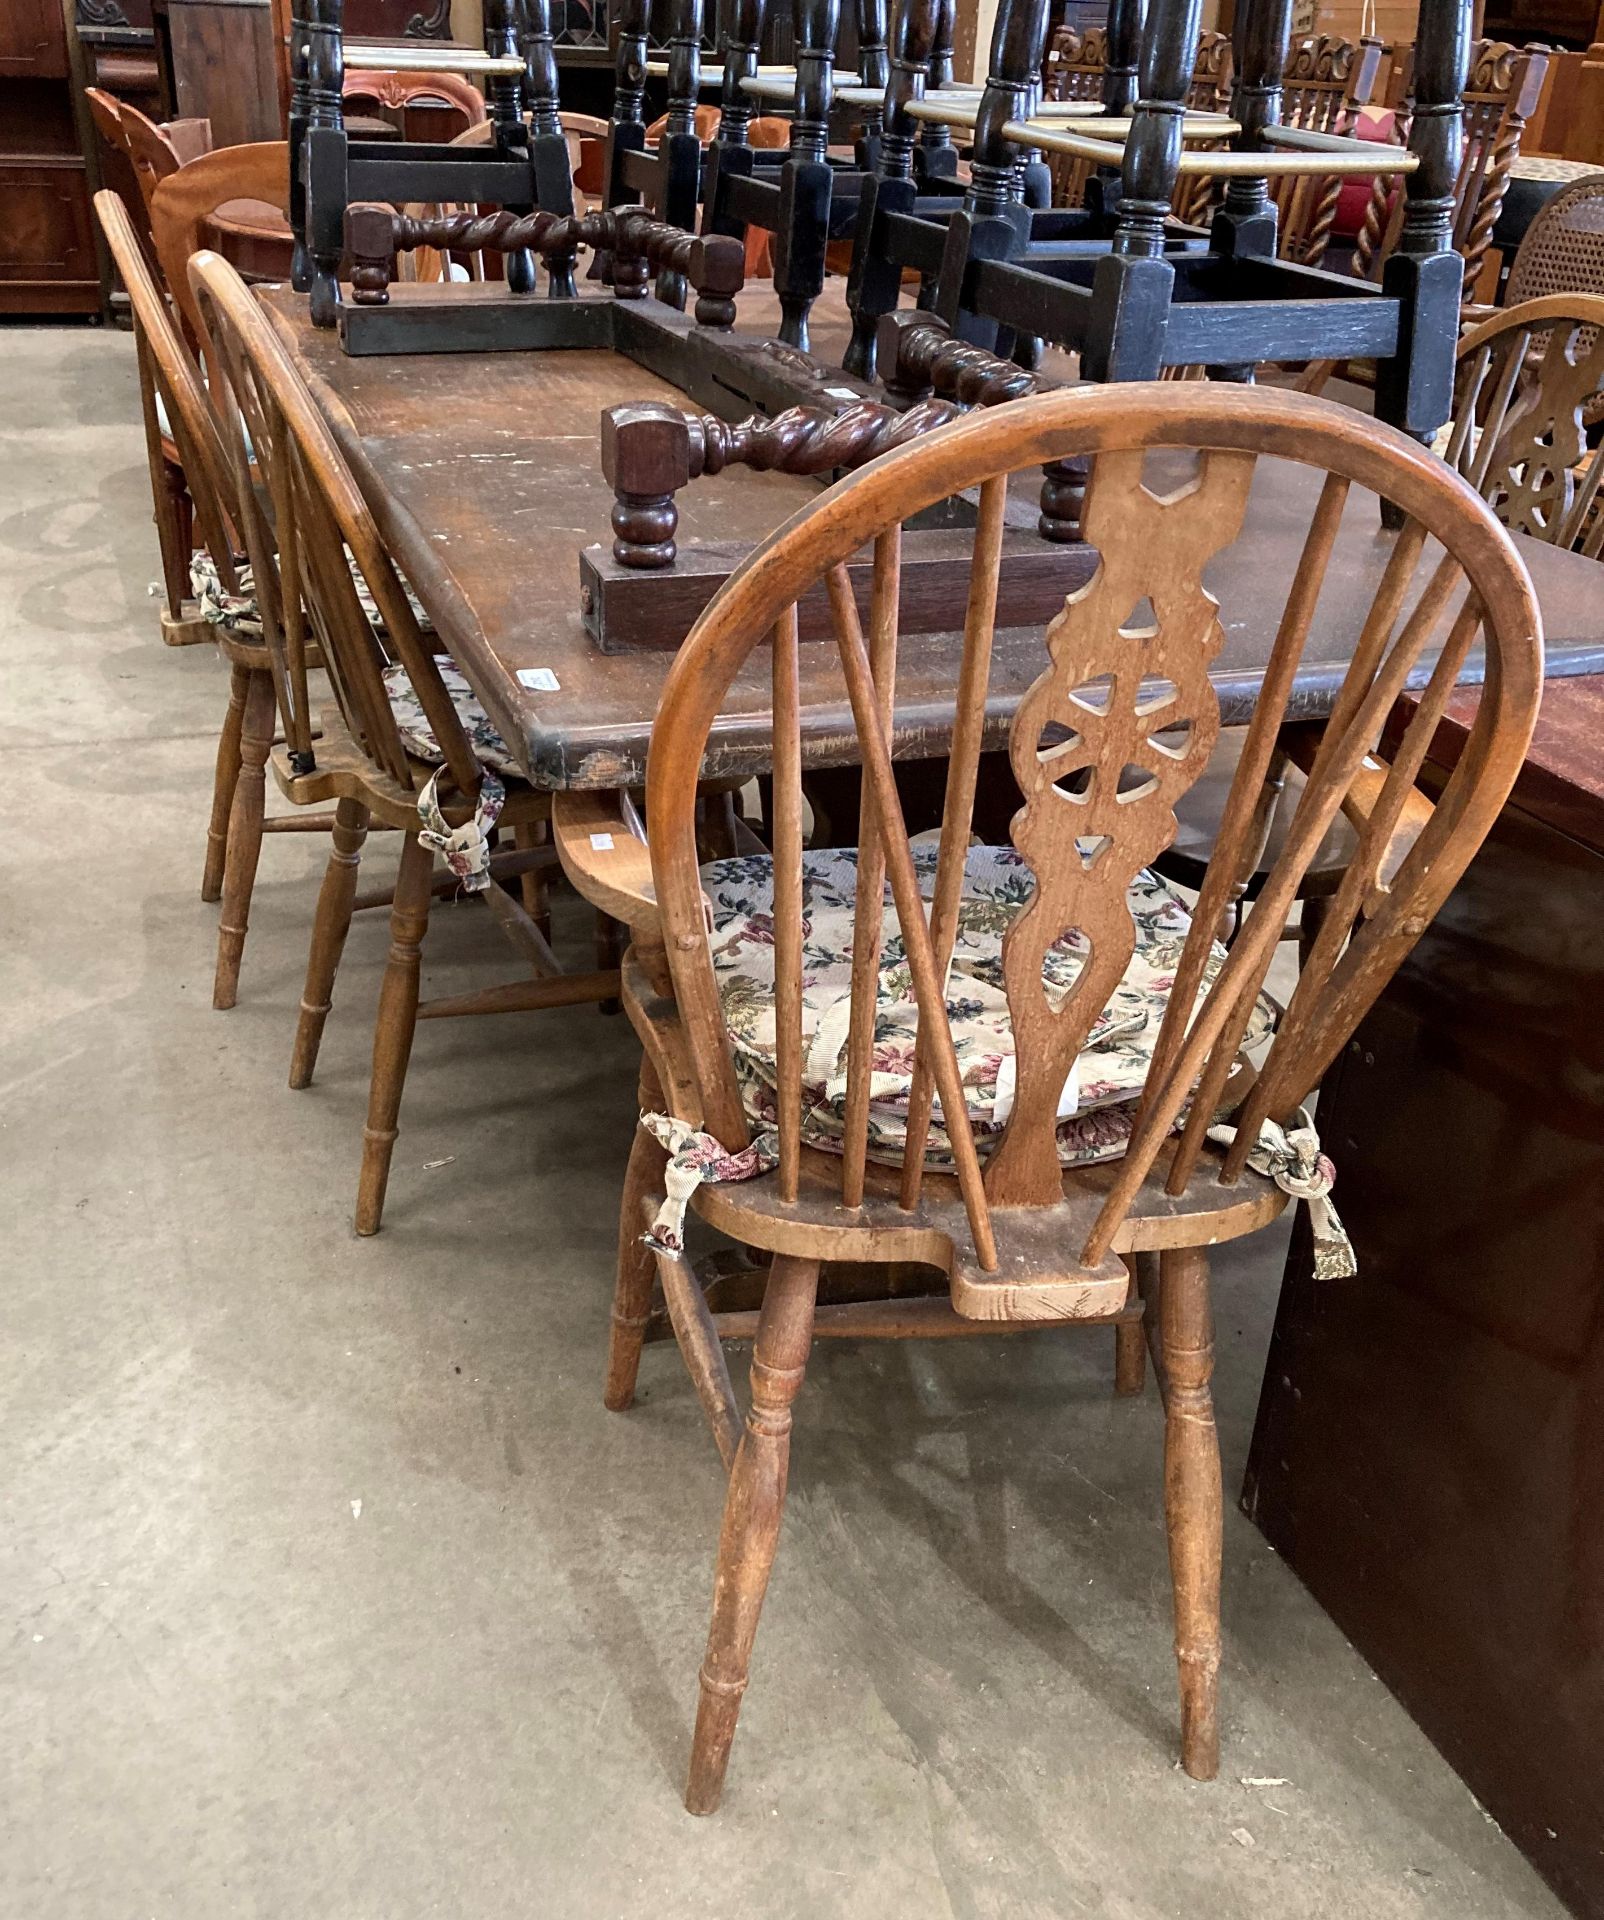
(1193, 1508)
(392, 1034)
(632, 1292)
(1130, 1357)
(534, 886)
(751, 1529)
(244, 836)
(334, 905)
(224, 782)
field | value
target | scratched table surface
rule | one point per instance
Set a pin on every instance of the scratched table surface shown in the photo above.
(484, 474)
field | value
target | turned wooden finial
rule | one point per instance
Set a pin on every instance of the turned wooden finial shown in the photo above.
(717, 271)
(370, 241)
(645, 451)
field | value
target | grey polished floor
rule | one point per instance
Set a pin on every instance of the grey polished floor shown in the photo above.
(329, 1589)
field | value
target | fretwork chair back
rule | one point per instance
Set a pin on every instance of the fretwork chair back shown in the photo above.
(1530, 378)
(791, 1015)
(117, 165)
(405, 744)
(1325, 82)
(1526, 382)
(1501, 92)
(233, 599)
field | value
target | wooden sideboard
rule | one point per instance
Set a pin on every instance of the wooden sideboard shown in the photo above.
(48, 263)
(1429, 1452)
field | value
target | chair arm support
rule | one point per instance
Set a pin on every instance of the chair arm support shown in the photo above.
(603, 858)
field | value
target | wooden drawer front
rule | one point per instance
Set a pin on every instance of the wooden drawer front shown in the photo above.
(44, 224)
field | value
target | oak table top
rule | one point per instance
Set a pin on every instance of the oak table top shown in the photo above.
(484, 475)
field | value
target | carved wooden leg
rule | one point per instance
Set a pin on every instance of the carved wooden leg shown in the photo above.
(1193, 1510)
(244, 835)
(392, 1034)
(224, 781)
(751, 1529)
(334, 904)
(632, 1292)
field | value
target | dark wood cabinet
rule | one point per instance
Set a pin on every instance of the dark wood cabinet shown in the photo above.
(1429, 1454)
(47, 251)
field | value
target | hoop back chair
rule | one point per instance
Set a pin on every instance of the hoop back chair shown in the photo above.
(188, 467)
(183, 203)
(1033, 1219)
(1529, 379)
(403, 745)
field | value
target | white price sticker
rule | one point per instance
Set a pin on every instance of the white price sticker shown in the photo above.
(538, 679)
(602, 842)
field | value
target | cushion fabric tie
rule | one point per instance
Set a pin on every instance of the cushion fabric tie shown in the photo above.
(1291, 1157)
(466, 849)
(695, 1157)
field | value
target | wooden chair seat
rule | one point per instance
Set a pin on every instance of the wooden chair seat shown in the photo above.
(1037, 1276)
(345, 771)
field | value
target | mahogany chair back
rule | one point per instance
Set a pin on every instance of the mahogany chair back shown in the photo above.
(431, 106)
(1120, 723)
(1325, 81)
(325, 538)
(157, 152)
(1501, 92)
(167, 368)
(185, 201)
(1529, 378)
(116, 163)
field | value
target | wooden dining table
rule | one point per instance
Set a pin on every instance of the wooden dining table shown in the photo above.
(483, 472)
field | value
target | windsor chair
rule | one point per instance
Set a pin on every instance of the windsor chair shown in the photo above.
(403, 745)
(798, 1029)
(184, 428)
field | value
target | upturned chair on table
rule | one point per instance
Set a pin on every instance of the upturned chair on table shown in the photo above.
(1527, 381)
(405, 743)
(1086, 1040)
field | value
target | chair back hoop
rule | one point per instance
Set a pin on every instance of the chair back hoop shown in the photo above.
(184, 202)
(1528, 380)
(168, 369)
(157, 152)
(326, 539)
(1120, 722)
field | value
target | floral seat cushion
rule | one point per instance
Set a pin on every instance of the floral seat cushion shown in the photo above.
(418, 737)
(1098, 1106)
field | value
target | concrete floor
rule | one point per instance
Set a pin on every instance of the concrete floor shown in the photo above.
(331, 1590)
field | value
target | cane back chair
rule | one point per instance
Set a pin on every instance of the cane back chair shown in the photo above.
(793, 1020)
(404, 744)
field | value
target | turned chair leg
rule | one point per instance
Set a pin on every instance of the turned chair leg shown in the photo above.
(752, 1510)
(1193, 1508)
(534, 887)
(224, 781)
(632, 1291)
(392, 1033)
(334, 904)
(244, 835)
